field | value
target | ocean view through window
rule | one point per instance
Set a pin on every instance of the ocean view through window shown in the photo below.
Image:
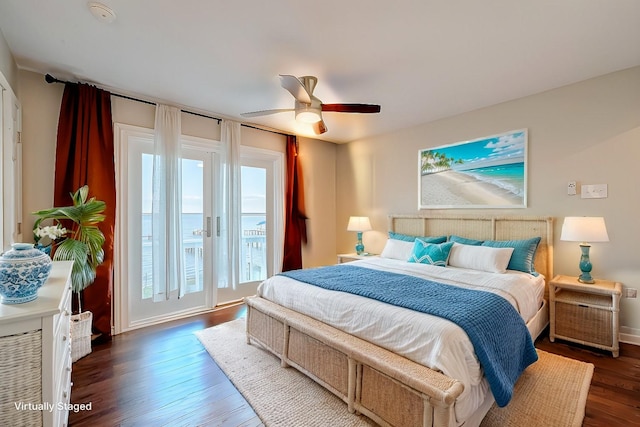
(253, 247)
(253, 227)
(253, 244)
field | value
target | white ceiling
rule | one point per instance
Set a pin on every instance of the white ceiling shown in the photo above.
(420, 60)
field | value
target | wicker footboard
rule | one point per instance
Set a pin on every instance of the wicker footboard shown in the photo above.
(386, 387)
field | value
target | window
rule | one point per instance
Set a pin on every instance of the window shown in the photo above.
(262, 213)
(253, 224)
(192, 221)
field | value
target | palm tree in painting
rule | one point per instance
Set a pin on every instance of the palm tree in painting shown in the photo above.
(432, 162)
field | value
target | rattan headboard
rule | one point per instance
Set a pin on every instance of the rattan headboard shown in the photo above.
(484, 228)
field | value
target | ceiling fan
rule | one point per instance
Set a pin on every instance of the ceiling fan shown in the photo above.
(308, 108)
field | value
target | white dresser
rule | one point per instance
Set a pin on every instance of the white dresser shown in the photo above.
(35, 355)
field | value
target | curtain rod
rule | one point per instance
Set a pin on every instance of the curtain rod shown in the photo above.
(50, 79)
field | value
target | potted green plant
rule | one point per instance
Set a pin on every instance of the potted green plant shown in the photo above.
(76, 237)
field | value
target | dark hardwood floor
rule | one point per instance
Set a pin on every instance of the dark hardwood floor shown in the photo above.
(159, 376)
(614, 396)
(162, 376)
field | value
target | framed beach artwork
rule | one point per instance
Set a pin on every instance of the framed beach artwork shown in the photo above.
(489, 172)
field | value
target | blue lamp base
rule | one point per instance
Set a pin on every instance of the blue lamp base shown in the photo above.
(359, 245)
(585, 265)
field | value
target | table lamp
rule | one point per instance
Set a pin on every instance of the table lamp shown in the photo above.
(584, 229)
(359, 224)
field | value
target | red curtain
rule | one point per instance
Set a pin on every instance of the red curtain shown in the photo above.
(85, 156)
(295, 229)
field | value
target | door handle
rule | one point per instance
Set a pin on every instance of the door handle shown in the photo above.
(208, 226)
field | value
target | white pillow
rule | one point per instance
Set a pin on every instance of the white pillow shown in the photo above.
(483, 258)
(397, 249)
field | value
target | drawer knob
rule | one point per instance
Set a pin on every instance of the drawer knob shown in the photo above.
(64, 338)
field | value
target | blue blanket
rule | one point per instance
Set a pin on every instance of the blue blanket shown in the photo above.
(500, 337)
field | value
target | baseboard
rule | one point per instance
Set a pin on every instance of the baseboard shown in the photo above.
(629, 335)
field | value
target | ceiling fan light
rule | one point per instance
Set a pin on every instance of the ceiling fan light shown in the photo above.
(308, 115)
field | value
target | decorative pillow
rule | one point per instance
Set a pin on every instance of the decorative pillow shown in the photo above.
(524, 252)
(430, 253)
(465, 241)
(483, 258)
(397, 249)
(408, 238)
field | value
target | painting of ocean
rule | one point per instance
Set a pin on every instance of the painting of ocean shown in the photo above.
(489, 172)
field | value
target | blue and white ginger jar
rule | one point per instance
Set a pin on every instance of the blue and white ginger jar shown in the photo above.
(23, 269)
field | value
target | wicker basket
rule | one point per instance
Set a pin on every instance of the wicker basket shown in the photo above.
(21, 377)
(81, 335)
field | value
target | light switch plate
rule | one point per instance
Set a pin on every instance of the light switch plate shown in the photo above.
(594, 191)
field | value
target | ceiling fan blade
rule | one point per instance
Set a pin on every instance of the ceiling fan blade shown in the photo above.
(351, 108)
(295, 87)
(266, 112)
(319, 127)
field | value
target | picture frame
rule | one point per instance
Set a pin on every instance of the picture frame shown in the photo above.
(487, 172)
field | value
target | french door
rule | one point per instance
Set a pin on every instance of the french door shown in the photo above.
(199, 164)
(256, 229)
(222, 260)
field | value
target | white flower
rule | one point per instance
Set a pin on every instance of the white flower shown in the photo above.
(51, 231)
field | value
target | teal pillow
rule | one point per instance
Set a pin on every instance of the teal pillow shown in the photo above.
(408, 238)
(465, 241)
(524, 253)
(430, 253)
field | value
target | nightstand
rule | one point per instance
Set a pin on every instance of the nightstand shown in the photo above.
(342, 258)
(585, 313)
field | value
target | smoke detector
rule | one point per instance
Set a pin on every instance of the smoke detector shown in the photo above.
(101, 12)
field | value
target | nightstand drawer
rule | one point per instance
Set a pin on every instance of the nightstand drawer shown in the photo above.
(584, 323)
(601, 302)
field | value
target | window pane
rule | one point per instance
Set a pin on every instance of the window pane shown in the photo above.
(192, 223)
(147, 233)
(253, 249)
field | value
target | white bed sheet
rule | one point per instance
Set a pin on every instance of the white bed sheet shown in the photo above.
(425, 339)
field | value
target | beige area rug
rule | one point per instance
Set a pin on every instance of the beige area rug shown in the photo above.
(552, 392)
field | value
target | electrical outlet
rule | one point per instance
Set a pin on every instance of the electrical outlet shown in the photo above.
(571, 188)
(630, 293)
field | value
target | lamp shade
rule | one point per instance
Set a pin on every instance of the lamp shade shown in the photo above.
(359, 223)
(584, 229)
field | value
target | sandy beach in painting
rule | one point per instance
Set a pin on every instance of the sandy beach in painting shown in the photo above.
(450, 188)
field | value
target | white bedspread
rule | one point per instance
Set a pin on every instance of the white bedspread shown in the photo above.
(431, 341)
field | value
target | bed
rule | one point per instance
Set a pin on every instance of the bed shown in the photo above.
(395, 365)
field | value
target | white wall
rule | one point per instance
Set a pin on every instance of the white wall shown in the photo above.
(40, 107)
(587, 132)
(318, 160)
